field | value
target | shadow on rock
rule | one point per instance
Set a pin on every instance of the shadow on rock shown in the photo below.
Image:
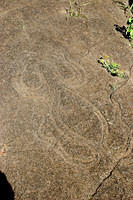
(122, 30)
(6, 192)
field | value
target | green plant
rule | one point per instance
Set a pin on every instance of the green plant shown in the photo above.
(74, 10)
(22, 27)
(112, 67)
(129, 30)
(71, 11)
(113, 86)
(131, 8)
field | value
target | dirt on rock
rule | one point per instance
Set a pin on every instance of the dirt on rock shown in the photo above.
(65, 134)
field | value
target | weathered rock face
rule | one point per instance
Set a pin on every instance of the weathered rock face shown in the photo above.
(64, 134)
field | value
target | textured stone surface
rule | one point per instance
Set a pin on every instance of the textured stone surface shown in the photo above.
(62, 134)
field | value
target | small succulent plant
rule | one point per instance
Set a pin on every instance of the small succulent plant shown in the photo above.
(112, 67)
(129, 30)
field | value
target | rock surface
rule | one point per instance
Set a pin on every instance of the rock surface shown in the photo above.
(63, 133)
